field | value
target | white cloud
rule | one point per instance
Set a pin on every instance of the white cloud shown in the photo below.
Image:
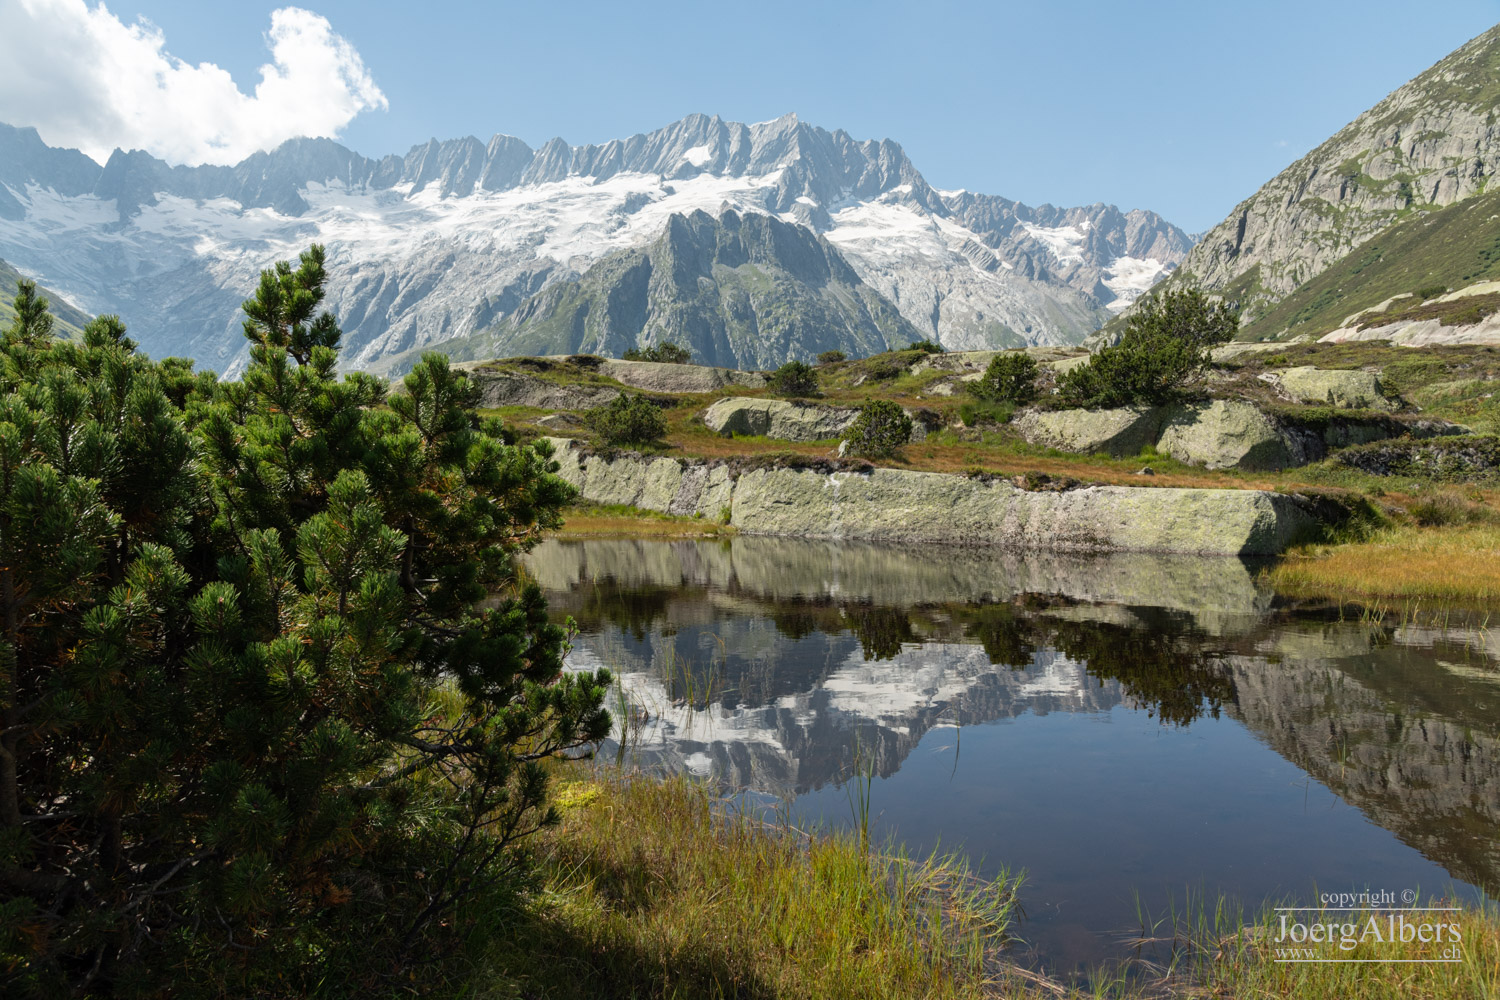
(87, 80)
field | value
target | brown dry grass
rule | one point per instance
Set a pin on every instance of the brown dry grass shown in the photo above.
(1458, 565)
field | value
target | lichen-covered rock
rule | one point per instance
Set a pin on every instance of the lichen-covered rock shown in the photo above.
(502, 387)
(955, 361)
(928, 507)
(896, 505)
(1123, 431)
(1347, 390)
(1222, 434)
(655, 376)
(664, 484)
(777, 418)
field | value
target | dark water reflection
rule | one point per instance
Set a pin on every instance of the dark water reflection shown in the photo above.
(1126, 729)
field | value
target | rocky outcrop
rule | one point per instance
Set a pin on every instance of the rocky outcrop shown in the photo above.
(777, 418)
(1219, 434)
(1422, 333)
(1346, 390)
(1224, 434)
(655, 376)
(1451, 458)
(927, 507)
(502, 387)
(1118, 432)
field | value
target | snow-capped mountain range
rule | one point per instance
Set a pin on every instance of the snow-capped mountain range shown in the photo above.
(452, 238)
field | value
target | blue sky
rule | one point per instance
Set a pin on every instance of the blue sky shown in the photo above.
(1184, 108)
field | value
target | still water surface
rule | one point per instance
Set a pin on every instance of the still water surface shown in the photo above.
(1129, 730)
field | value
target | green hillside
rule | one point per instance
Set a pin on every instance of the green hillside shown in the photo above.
(67, 322)
(1448, 249)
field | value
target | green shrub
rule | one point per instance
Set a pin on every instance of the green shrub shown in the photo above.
(926, 347)
(1440, 510)
(879, 430)
(1010, 378)
(795, 378)
(831, 357)
(628, 419)
(665, 352)
(271, 735)
(1165, 346)
(883, 368)
(1431, 291)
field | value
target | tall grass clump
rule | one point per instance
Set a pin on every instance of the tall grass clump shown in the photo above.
(655, 889)
(1456, 563)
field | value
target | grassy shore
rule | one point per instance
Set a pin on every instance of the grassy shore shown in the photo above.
(651, 889)
(1409, 564)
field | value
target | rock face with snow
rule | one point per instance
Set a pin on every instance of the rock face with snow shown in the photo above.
(454, 237)
(747, 291)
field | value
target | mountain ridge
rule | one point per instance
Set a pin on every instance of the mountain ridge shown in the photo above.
(442, 242)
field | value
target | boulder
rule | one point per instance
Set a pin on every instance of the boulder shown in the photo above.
(560, 422)
(1222, 434)
(777, 418)
(955, 361)
(655, 376)
(1346, 390)
(502, 387)
(1123, 431)
(1238, 348)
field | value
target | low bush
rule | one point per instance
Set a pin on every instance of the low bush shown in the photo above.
(927, 347)
(795, 378)
(879, 431)
(1164, 348)
(665, 352)
(628, 419)
(831, 357)
(1441, 510)
(1010, 378)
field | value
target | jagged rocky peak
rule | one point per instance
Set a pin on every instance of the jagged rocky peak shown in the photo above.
(1430, 143)
(437, 258)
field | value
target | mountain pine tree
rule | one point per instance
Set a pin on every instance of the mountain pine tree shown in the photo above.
(271, 692)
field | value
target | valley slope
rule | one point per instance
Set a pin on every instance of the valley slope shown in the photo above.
(1431, 144)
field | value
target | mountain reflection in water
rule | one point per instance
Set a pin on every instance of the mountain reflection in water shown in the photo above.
(1126, 728)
